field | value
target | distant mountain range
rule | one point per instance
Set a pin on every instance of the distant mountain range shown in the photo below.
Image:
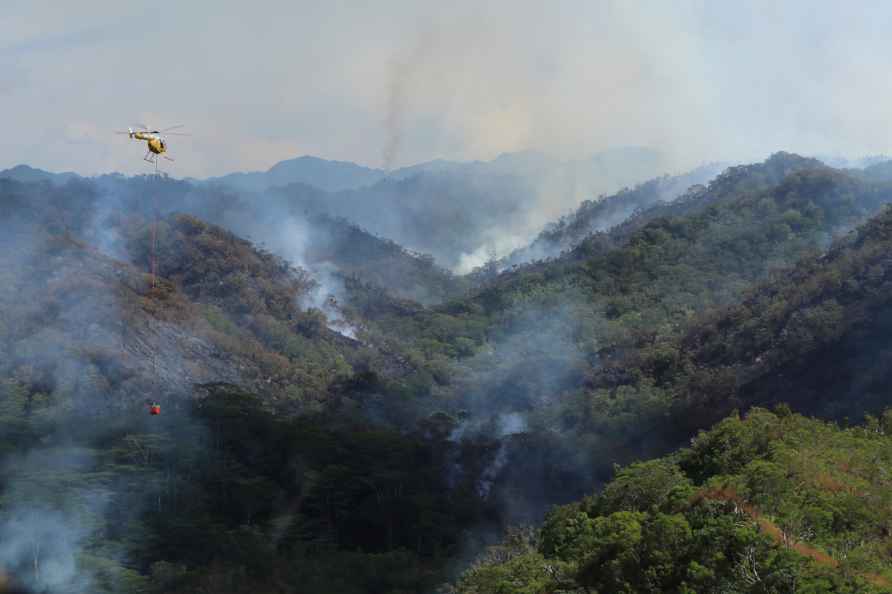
(330, 176)
(624, 166)
(25, 174)
(627, 165)
(464, 214)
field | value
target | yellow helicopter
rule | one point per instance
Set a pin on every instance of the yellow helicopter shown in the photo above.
(154, 140)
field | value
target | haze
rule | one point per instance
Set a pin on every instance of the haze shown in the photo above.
(394, 83)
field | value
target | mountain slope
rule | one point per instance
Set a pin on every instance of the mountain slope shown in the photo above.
(264, 417)
(220, 311)
(654, 271)
(601, 215)
(328, 247)
(772, 502)
(367, 464)
(569, 359)
(355, 253)
(814, 335)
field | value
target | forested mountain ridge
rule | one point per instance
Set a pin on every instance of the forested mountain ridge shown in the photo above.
(262, 412)
(607, 212)
(811, 334)
(814, 336)
(650, 274)
(220, 310)
(610, 221)
(357, 254)
(291, 229)
(370, 464)
(549, 353)
(772, 502)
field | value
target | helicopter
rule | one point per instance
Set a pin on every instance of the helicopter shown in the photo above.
(154, 139)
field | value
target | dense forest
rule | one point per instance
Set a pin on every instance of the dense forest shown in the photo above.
(771, 502)
(672, 389)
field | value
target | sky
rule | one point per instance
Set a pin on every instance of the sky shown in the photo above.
(393, 83)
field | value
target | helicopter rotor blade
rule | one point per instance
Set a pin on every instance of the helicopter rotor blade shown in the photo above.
(168, 158)
(177, 134)
(174, 127)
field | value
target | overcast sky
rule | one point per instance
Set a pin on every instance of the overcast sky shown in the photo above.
(398, 82)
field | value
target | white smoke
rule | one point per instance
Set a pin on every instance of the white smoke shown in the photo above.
(289, 237)
(40, 547)
(327, 296)
(507, 424)
(511, 424)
